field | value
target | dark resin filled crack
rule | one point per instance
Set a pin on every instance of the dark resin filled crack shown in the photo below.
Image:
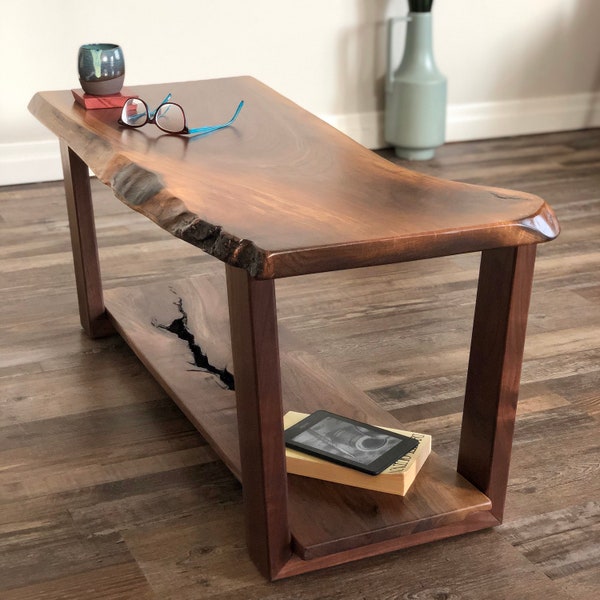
(179, 328)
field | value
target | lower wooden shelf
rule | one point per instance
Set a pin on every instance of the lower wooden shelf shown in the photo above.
(174, 327)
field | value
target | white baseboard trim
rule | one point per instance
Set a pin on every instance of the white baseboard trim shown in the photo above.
(488, 119)
(522, 117)
(28, 162)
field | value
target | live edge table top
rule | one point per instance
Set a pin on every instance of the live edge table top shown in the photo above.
(280, 192)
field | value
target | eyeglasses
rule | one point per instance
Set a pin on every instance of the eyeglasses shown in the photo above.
(169, 117)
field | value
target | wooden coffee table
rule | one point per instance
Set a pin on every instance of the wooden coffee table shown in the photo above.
(281, 194)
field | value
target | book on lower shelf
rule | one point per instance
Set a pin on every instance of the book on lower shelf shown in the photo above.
(396, 479)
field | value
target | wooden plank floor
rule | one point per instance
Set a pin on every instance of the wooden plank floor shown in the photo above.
(107, 492)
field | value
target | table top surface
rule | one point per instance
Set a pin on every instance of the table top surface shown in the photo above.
(280, 192)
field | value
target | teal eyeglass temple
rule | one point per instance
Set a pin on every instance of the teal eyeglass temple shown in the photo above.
(169, 117)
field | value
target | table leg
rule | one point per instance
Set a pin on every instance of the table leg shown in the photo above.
(493, 377)
(255, 348)
(84, 245)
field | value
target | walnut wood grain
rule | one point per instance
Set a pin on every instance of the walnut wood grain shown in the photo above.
(96, 461)
(473, 521)
(494, 373)
(281, 193)
(324, 518)
(84, 245)
(255, 350)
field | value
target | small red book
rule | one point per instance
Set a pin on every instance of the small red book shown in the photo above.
(91, 102)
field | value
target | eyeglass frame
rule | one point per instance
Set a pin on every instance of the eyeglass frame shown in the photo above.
(151, 117)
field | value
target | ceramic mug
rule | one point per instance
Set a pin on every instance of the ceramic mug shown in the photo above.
(101, 69)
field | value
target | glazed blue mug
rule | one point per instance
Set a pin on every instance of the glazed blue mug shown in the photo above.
(101, 69)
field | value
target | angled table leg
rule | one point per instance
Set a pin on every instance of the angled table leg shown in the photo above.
(84, 244)
(255, 348)
(503, 294)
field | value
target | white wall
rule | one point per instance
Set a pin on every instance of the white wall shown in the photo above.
(513, 67)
